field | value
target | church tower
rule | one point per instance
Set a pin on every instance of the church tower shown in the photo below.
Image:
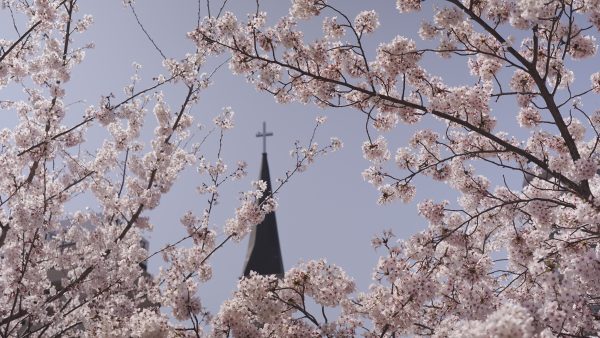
(264, 251)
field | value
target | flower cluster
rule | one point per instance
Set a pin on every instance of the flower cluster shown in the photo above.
(366, 22)
(377, 151)
(225, 119)
(251, 212)
(274, 303)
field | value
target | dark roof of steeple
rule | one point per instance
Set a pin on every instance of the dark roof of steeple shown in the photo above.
(264, 252)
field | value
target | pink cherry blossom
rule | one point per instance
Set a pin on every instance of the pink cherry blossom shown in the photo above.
(497, 109)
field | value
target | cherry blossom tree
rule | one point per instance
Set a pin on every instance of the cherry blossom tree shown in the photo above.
(518, 254)
(75, 274)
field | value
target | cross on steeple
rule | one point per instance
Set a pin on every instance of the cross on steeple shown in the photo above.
(264, 135)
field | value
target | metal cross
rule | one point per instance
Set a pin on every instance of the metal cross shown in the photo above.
(264, 135)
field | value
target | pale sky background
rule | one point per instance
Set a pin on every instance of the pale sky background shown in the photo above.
(328, 211)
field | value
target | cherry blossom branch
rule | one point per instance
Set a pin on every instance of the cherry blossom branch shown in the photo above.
(540, 83)
(67, 31)
(581, 190)
(154, 171)
(24, 36)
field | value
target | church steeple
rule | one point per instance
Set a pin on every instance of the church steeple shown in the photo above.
(264, 252)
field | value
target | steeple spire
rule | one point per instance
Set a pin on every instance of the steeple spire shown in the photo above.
(264, 252)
